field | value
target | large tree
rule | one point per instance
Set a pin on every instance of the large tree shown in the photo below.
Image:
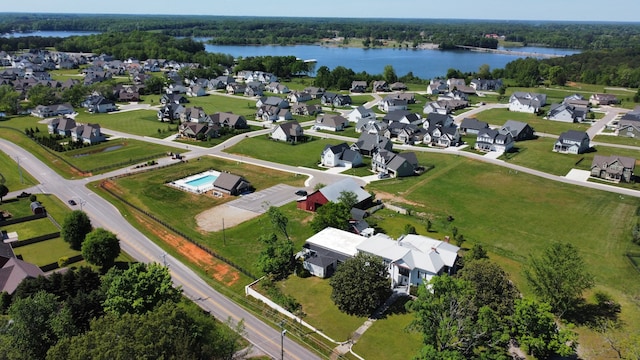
(492, 286)
(536, 331)
(168, 332)
(559, 276)
(277, 259)
(360, 285)
(331, 214)
(101, 247)
(389, 74)
(75, 227)
(138, 289)
(278, 220)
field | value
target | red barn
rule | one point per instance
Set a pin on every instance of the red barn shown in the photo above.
(332, 193)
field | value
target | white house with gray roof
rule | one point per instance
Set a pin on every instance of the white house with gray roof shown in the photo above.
(572, 142)
(527, 102)
(412, 259)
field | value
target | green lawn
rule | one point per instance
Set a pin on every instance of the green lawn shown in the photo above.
(113, 152)
(31, 229)
(621, 140)
(360, 99)
(138, 122)
(537, 154)
(12, 176)
(500, 116)
(314, 294)
(46, 252)
(389, 338)
(301, 154)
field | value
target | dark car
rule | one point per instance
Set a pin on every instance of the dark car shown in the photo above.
(301, 193)
(72, 202)
(24, 195)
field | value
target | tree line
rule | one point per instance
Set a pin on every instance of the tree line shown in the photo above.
(263, 30)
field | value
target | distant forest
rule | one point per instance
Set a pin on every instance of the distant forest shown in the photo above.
(286, 31)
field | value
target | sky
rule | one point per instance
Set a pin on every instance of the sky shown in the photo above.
(552, 10)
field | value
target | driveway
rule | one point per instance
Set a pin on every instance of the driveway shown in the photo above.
(260, 201)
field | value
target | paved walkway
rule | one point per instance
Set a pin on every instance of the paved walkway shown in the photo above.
(578, 175)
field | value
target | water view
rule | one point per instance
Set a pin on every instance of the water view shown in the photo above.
(61, 34)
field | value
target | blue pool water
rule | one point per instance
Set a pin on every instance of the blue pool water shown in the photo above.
(205, 180)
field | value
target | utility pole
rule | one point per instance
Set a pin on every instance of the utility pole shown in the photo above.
(283, 332)
(20, 170)
(224, 238)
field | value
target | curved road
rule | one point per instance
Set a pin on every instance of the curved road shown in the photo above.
(103, 214)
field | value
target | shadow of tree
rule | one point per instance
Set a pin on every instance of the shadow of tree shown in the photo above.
(594, 314)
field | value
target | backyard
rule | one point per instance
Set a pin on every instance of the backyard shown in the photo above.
(499, 116)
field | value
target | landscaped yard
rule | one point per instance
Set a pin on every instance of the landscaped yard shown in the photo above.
(46, 252)
(138, 122)
(30, 229)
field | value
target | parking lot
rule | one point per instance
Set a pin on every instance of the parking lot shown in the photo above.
(260, 201)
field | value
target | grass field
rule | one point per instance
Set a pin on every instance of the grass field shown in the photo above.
(138, 122)
(10, 174)
(301, 154)
(620, 140)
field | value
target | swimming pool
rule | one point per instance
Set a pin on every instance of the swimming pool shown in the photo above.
(198, 183)
(207, 179)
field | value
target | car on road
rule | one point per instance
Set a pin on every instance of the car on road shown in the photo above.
(72, 202)
(301, 193)
(24, 195)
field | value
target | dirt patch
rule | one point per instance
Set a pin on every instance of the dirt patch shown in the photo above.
(217, 269)
(396, 199)
(212, 219)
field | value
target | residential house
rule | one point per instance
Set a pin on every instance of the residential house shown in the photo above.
(613, 168)
(273, 113)
(230, 120)
(195, 114)
(13, 271)
(331, 123)
(289, 131)
(340, 155)
(412, 259)
(371, 126)
(434, 119)
(252, 89)
(567, 113)
(200, 131)
(454, 83)
(437, 86)
(170, 111)
(235, 88)
(127, 93)
(88, 134)
(272, 101)
(369, 144)
(173, 98)
(398, 86)
(305, 109)
(315, 92)
(527, 102)
(299, 96)
(379, 86)
(629, 128)
(603, 99)
(633, 115)
(486, 84)
(358, 86)
(493, 140)
(442, 136)
(196, 91)
(410, 133)
(325, 250)
(61, 126)
(576, 100)
(572, 142)
(402, 116)
(332, 193)
(336, 100)
(231, 184)
(277, 88)
(360, 113)
(176, 89)
(453, 95)
(472, 126)
(520, 131)
(394, 165)
(44, 111)
(391, 103)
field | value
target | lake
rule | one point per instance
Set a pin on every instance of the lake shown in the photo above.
(425, 64)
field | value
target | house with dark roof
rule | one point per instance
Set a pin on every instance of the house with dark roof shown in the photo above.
(358, 86)
(603, 99)
(493, 140)
(231, 184)
(230, 120)
(272, 101)
(340, 155)
(332, 193)
(371, 126)
(333, 99)
(572, 142)
(435, 119)
(527, 102)
(170, 111)
(398, 86)
(395, 165)
(472, 126)
(173, 98)
(290, 131)
(379, 86)
(61, 126)
(331, 123)
(315, 92)
(369, 144)
(299, 96)
(442, 136)
(392, 103)
(306, 109)
(632, 115)
(88, 134)
(519, 130)
(200, 131)
(613, 168)
(486, 84)
(629, 128)
(576, 100)
(44, 111)
(567, 113)
(403, 116)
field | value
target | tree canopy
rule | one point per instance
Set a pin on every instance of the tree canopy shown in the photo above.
(75, 227)
(360, 285)
(277, 258)
(101, 247)
(4, 190)
(559, 276)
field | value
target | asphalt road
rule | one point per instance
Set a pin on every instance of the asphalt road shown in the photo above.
(105, 215)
